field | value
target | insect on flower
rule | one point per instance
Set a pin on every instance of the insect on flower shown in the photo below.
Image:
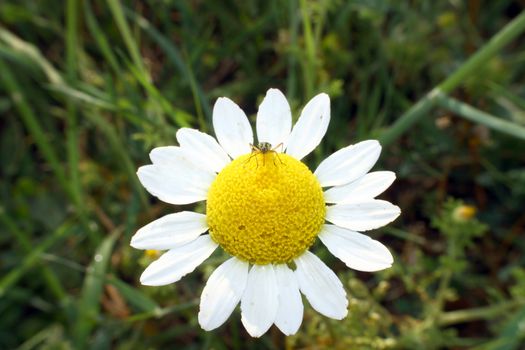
(265, 148)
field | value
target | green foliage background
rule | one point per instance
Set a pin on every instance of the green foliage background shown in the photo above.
(88, 87)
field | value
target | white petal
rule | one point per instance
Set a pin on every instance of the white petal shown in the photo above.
(232, 127)
(203, 149)
(178, 262)
(170, 231)
(167, 155)
(366, 187)
(172, 156)
(348, 164)
(177, 183)
(310, 128)
(259, 302)
(274, 119)
(356, 250)
(321, 286)
(222, 292)
(290, 312)
(362, 216)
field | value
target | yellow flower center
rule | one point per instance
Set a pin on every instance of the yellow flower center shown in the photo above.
(265, 208)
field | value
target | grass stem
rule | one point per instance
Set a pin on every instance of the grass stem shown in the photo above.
(423, 106)
(470, 113)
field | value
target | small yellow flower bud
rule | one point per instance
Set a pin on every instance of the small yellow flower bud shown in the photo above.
(464, 212)
(152, 253)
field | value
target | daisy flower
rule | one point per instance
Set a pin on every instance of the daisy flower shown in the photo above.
(265, 208)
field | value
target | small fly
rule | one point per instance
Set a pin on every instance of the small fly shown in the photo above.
(265, 148)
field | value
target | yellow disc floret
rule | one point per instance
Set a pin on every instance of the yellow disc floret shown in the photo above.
(265, 208)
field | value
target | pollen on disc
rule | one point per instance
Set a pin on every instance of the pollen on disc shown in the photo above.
(265, 208)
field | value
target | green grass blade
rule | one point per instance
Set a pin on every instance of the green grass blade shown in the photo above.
(508, 33)
(89, 302)
(134, 296)
(309, 68)
(125, 32)
(102, 101)
(470, 113)
(42, 338)
(24, 240)
(33, 258)
(82, 97)
(100, 37)
(174, 55)
(419, 110)
(121, 152)
(29, 50)
(293, 27)
(180, 118)
(71, 110)
(158, 312)
(36, 130)
(33, 126)
(423, 106)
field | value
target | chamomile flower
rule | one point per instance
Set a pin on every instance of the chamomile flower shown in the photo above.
(265, 208)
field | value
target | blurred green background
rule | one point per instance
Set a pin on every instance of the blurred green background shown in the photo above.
(88, 88)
